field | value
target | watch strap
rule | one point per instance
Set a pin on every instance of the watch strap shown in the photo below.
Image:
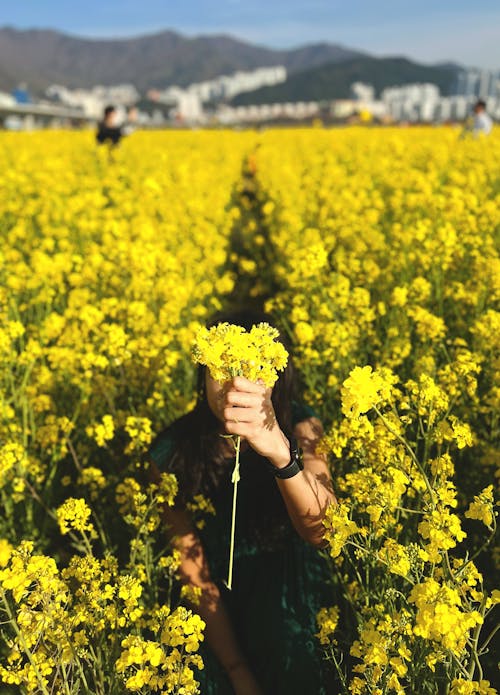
(295, 465)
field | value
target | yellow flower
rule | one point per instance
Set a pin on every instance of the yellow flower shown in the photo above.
(339, 527)
(140, 432)
(102, 432)
(74, 514)
(327, 620)
(228, 350)
(442, 530)
(442, 466)
(363, 390)
(304, 332)
(460, 686)
(191, 594)
(94, 479)
(482, 507)
(5, 551)
(439, 617)
(198, 507)
(374, 246)
(396, 557)
(462, 433)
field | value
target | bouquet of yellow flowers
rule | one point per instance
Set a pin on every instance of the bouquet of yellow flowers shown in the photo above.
(227, 351)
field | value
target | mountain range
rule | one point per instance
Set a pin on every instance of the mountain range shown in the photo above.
(41, 57)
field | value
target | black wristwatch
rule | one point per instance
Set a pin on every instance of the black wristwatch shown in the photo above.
(295, 466)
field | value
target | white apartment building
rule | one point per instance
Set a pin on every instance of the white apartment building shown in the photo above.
(423, 103)
(411, 102)
(93, 101)
(478, 83)
(225, 87)
(362, 92)
(258, 113)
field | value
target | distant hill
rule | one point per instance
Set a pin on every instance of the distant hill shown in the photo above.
(333, 81)
(42, 57)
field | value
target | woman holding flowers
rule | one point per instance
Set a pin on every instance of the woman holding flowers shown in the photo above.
(260, 612)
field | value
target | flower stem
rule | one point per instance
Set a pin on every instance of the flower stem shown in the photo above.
(234, 479)
(410, 451)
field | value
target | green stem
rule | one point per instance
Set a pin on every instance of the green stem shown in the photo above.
(68, 635)
(488, 639)
(22, 643)
(478, 552)
(475, 663)
(409, 450)
(339, 671)
(235, 478)
(65, 679)
(460, 667)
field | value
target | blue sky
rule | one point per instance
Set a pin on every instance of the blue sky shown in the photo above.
(429, 31)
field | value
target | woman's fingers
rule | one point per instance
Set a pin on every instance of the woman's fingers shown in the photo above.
(247, 407)
(231, 414)
(262, 416)
(239, 383)
(243, 429)
(258, 406)
(243, 399)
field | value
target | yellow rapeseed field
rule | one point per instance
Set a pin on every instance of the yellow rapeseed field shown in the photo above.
(378, 253)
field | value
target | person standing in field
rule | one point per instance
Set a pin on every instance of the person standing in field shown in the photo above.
(261, 633)
(482, 121)
(108, 132)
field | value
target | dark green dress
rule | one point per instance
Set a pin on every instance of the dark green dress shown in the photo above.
(279, 581)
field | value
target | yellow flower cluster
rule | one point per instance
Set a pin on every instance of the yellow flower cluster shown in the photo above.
(140, 433)
(383, 648)
(482, 507)
(461, 686)
(339, 528)
(103, 431)
(363, 390)
(161, 666)
(327, 620)
(228, 350)
(61, 615)
(74, 514)
(198, 508)
(439, 617)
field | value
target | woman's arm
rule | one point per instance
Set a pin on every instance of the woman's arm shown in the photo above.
(194, 570)
(307, 494)
(247, 410)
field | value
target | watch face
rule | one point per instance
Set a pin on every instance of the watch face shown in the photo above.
(300, 460)
(296, 452)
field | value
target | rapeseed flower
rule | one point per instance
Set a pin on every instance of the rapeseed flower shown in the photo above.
(363, 390)
(74, 514)
(228, 350)
(482, 507)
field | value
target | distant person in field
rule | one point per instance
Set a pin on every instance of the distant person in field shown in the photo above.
(130, 124)
(482, 121)
(108, 132)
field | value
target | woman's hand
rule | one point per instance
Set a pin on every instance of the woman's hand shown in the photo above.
(247, 411)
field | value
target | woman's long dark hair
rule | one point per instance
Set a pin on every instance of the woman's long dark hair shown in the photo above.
(199, 460)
